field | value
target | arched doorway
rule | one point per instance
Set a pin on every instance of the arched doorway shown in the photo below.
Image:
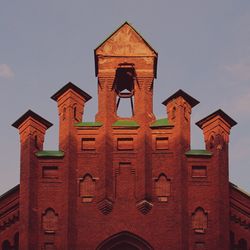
(124, 241)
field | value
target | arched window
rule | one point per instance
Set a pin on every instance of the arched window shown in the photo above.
(6, 245)
(36, 141)
(87, 188)
(50, 220)
(64, 113)
(173, 113)
(162, 188)
(199, 220)
(185, 108)
(75, 112)
(211, 142)
(219, 141)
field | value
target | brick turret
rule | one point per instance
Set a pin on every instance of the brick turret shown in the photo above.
(32, 128)
(216, 129)
(179, 107)
(70, 100)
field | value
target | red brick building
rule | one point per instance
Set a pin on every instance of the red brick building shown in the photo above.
(124, 183)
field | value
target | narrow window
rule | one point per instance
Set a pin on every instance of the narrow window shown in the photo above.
(87, 188)
(211, 142)
(199, 220)
(64, 113)
(50, 220)
(36, 142)
(185, 111)
(162, 188)
(75, 113)
(173, 113)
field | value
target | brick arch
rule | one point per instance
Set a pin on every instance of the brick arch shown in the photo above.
(124, 240)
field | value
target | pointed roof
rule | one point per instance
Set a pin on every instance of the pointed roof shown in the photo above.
(129, 28)
(220, 113)
(193, 102)
(72, 86)
(35, 116)
(125, 41)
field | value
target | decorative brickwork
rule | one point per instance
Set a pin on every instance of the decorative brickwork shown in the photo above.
(124, 182)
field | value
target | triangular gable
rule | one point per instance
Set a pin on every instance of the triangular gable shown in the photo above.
(125, 41)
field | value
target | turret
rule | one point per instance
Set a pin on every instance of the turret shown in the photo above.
(70, 100)
(32, 128)
(179, 107)
(216, 129)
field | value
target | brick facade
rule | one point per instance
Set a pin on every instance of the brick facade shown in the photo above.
(124, 183)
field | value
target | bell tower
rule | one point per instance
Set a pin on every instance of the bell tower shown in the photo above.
(126, 67)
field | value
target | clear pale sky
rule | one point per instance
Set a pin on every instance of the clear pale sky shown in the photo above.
(203, 47)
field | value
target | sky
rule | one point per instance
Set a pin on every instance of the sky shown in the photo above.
(203, 48)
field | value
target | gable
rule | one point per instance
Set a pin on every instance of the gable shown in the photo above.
(125, 41)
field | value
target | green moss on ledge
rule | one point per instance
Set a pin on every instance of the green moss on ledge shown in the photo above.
(50, 153)
(126, 123)
(88, 124)
(198, 152)
(161, 123)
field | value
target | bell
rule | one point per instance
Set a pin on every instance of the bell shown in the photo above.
(125, 94)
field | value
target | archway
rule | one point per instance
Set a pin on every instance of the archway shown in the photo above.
(125, 241)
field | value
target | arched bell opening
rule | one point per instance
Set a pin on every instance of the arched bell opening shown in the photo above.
(126, 241)
(124, 83)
